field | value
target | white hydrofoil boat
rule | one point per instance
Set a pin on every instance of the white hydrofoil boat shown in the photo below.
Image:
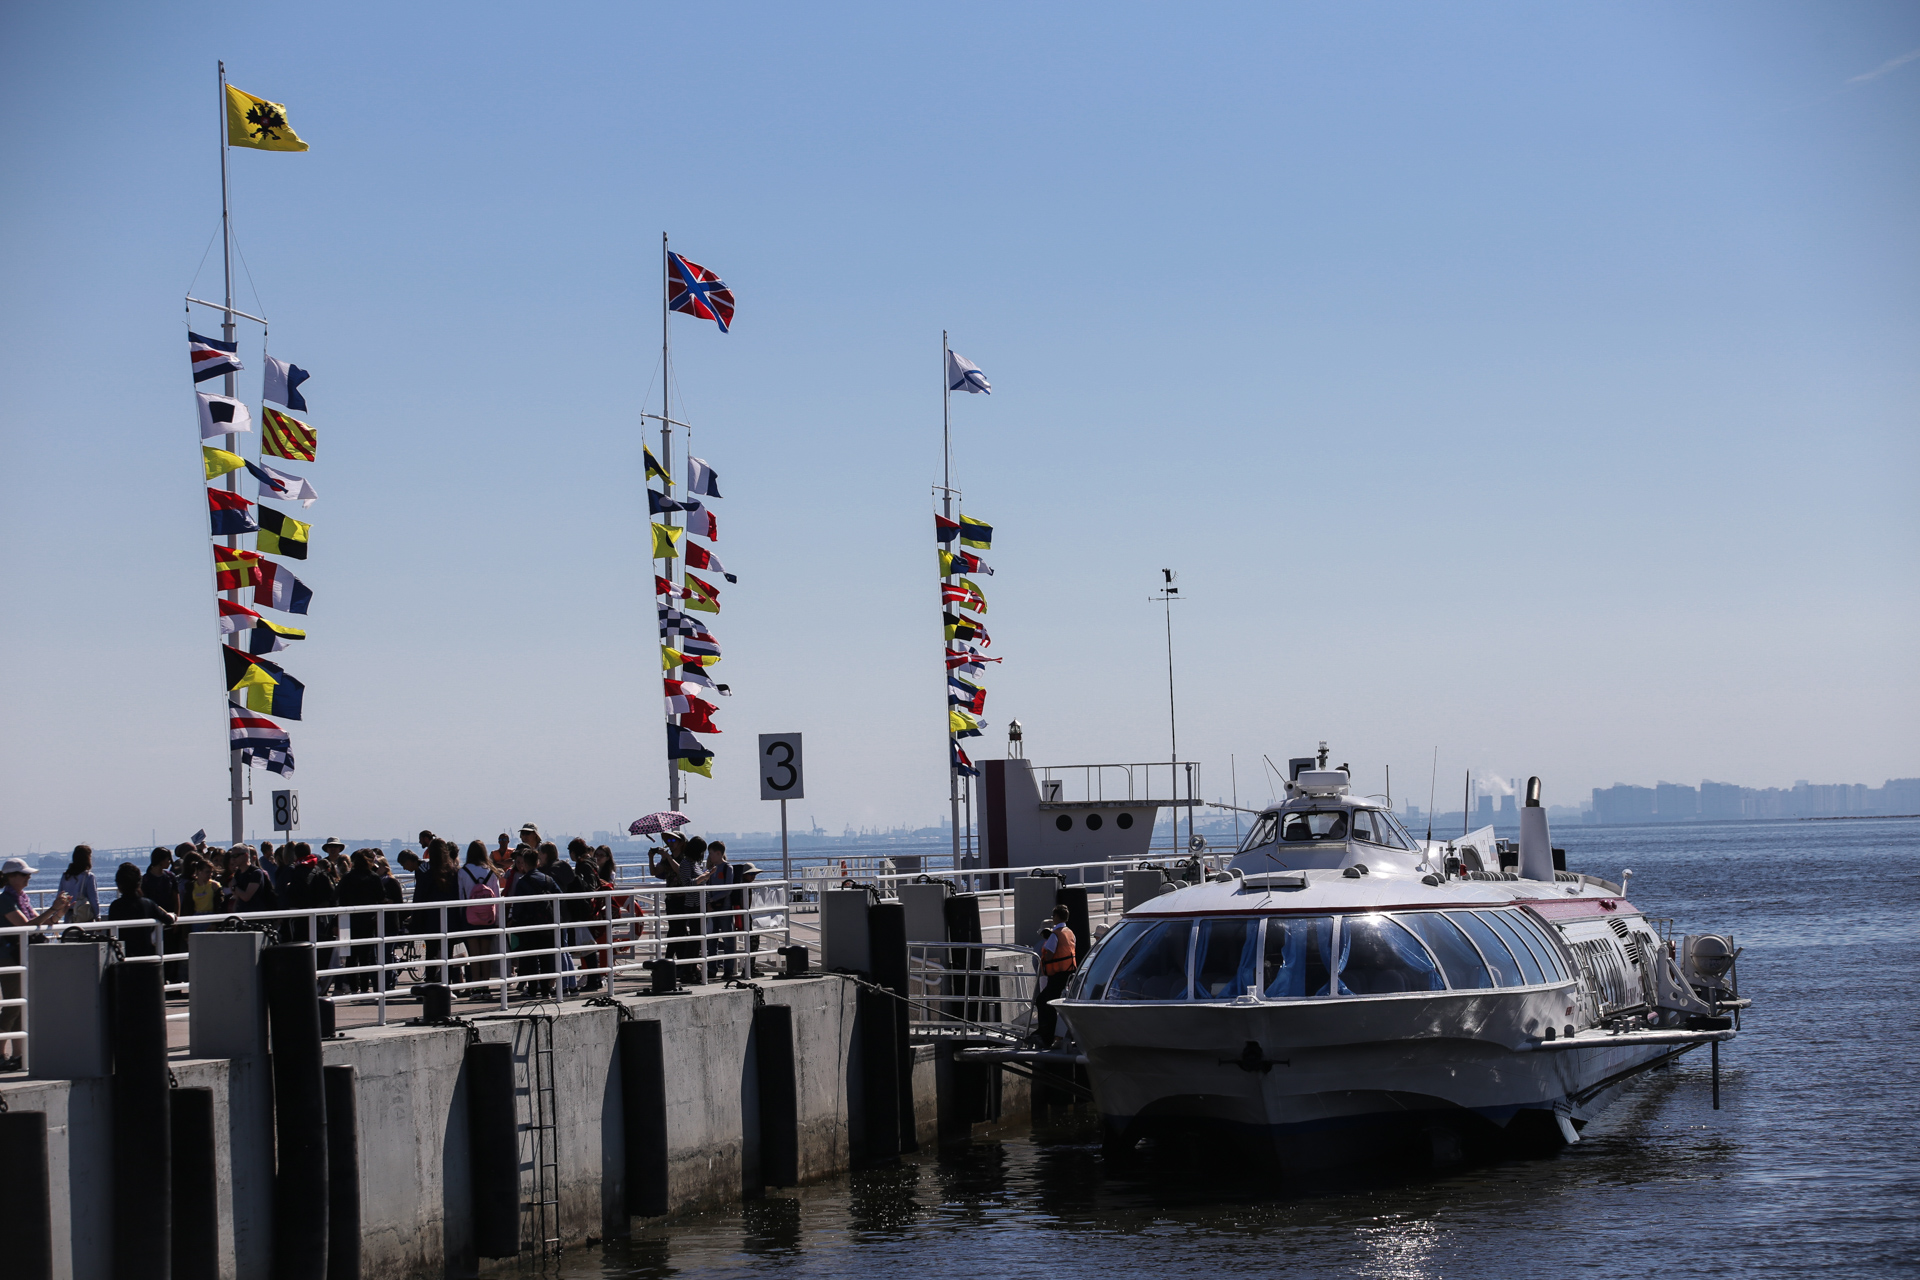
(1347, 992)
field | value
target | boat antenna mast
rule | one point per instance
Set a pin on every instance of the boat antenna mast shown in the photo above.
(1168, 596)
(1433, 781)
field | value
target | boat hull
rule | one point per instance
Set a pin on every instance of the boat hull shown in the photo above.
(1325, 1083)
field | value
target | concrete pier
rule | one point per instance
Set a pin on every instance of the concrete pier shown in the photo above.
(412, 1122)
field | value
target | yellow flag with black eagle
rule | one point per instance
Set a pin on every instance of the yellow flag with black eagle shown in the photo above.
(257, 123)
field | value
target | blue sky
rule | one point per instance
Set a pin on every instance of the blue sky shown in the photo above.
(1534, 383)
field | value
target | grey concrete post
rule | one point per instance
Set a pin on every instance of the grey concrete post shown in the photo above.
(843, 931)
(226, 1001)
(926, 906)
(1143, 886)
(227, 1018)
(67, 1011)
(1033, 902)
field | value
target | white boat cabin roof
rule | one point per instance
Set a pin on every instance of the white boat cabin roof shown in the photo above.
(1327, 890)
(1322, 848)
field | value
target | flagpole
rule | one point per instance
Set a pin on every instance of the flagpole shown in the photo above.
(666, 463)
(946, 509)
(235, 798)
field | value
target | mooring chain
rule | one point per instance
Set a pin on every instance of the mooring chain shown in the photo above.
(238, 924)
(759, 993)
(608, 1002)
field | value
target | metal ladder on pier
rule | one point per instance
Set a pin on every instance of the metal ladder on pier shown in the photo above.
(542, 1212)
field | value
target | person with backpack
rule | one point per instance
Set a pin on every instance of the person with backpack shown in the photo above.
(78, 884)
(480, 890)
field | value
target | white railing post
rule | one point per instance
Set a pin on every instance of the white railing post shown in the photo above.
(380, 969)
(505, 960)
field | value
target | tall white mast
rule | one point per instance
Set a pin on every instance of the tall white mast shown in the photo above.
(666, 463)
(235, 792)
(946, 509)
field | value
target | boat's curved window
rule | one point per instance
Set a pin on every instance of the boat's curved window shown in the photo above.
(1297, 950)
(1092, 982)
(1399, 828)
(1378, 957)
(1313, 824)
(1156, 967)
(1498, 957)
(1518, 943)
(1375, 827)
(1543, 946)
(1263, 831)
(1226, 958)
(1464, 968)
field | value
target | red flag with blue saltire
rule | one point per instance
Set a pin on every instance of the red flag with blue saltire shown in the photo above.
(698, 292)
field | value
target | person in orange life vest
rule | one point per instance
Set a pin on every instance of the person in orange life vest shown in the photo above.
(1059, 956)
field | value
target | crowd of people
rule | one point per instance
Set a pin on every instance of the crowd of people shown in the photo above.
(457, 898)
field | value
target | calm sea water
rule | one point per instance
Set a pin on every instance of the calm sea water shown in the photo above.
(1811, 1167)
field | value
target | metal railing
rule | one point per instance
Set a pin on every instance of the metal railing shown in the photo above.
(971, 990)
(367, 953)
(1106, 895)
(627, 928)
(1179, 781)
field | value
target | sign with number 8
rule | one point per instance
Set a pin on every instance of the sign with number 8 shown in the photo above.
(286, 811)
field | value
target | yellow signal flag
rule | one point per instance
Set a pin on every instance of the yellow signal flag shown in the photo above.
(666, 541)
(704, 768)
(700, 596)
(219, 461)
(257, 123)
(671, 658)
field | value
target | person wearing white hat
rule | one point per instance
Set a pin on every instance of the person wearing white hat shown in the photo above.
(15, 912)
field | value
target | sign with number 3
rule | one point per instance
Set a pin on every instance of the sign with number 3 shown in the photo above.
(780, 769)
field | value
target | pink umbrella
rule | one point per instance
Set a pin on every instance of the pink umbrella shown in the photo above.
(658, 823)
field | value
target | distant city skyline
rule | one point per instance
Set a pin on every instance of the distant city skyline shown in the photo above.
(1712, 801)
